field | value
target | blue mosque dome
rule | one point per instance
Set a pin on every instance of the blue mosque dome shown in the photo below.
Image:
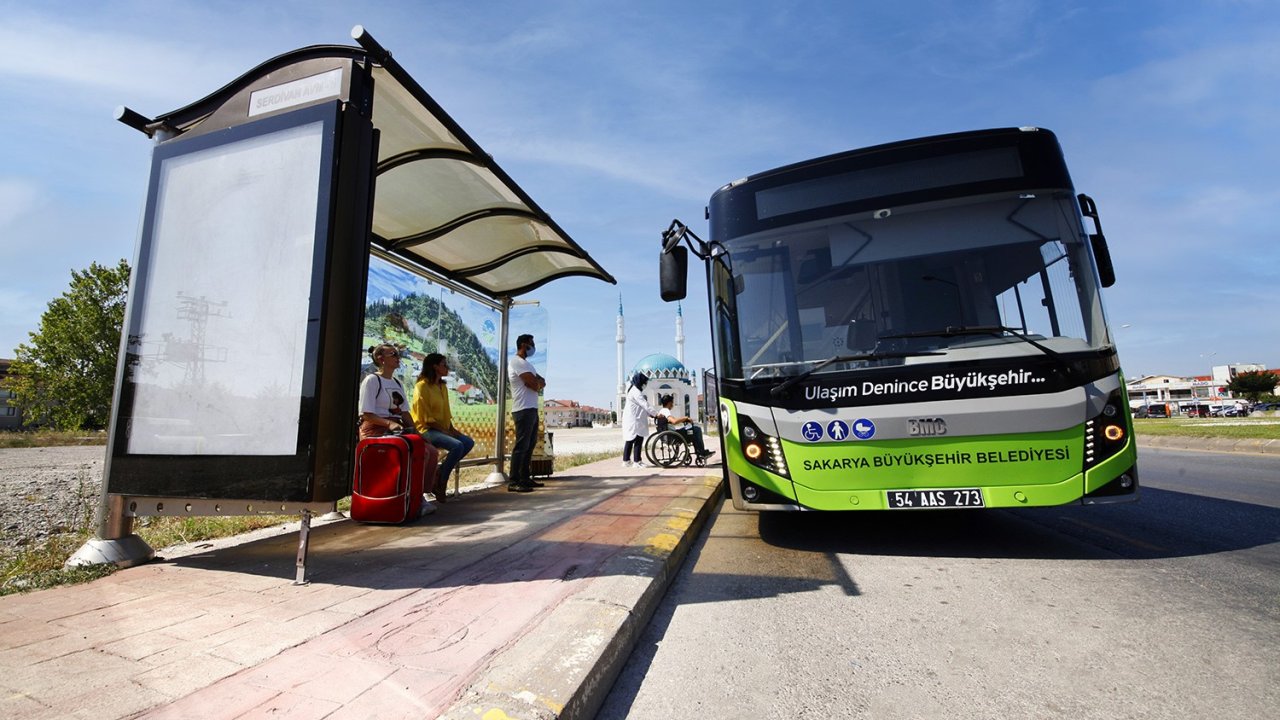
(660, 363)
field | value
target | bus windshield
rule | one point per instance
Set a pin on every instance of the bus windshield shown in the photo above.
(954, 280)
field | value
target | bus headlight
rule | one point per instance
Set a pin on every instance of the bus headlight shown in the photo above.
(1106, 433)
(763, 451)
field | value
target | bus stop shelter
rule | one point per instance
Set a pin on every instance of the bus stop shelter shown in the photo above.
(235, 389)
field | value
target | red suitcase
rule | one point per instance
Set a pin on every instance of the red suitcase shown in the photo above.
(389, 472)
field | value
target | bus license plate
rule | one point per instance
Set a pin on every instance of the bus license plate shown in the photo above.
(917, 499)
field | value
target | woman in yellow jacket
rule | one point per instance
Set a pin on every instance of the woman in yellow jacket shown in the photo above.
(434, 420)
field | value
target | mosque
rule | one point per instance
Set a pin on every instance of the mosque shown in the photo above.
(667, 375)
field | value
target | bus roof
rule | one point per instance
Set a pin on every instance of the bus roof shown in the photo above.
(907, 172)
(966, 137)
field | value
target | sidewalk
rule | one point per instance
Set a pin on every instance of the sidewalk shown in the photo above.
(499, 605)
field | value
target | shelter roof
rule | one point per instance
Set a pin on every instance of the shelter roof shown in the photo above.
(441, 202)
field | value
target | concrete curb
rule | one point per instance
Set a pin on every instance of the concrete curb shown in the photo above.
(565, 666)
(1223, 445)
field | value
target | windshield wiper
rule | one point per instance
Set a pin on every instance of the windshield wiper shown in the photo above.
(776, 391)
(993, 330)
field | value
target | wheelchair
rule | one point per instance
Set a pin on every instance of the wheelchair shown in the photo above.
(668, 448)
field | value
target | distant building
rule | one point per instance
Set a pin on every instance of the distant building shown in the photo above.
(1174, 389)
(1159, 389)
(571, 413)
(10, 415)
(1224, 374)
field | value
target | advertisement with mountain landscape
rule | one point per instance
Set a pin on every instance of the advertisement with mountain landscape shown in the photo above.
(420, 317)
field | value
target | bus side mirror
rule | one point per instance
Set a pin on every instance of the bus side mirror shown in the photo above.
(673, 273)
(1106, 271)
(1101, 254)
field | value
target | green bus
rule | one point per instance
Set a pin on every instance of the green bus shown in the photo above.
(913, 325)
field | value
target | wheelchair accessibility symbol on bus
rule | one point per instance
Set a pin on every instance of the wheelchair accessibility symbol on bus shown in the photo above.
(811, 431)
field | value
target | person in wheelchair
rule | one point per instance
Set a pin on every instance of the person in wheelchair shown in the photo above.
(682, 424)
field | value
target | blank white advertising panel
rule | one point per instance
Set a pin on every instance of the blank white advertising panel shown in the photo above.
(219, 347)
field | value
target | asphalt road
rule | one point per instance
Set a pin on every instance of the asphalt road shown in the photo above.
(1165, 608)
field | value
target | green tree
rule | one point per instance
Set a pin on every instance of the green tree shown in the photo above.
(65, 376)
(1253, 385)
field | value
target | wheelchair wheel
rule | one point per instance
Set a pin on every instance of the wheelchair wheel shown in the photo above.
(666, 449)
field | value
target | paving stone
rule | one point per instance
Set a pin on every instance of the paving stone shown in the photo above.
(313, 676)
(20, 706)
(369, 601)
(117, 700)
(199, 629)
(137, 647)
(18, 633)
(408, 694)
(227, 698)
(56, 681)
(185, 675)
(294, 706)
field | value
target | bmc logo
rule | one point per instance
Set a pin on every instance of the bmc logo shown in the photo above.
(925, 427)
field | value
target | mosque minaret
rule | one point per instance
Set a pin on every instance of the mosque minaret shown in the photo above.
(679, 334)
(622, 341)
(667, 374)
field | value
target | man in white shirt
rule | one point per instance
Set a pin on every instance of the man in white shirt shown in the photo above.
(526, 383)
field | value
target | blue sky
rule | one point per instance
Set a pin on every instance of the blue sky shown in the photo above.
(617, 117)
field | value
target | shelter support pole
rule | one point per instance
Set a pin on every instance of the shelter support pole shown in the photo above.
(500, 437)
(115, 542)
(304, 537)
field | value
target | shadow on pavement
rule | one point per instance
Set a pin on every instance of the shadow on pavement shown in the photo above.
(487, 537)
(1161, 524)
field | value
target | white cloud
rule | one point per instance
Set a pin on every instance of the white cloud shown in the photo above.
(1237, 81)
(50, 52)
(626, 162)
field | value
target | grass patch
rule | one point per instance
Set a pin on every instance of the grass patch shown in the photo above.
(163, 532)
(1246, 428)
(564, 462)
(40, 565)
(50, 438)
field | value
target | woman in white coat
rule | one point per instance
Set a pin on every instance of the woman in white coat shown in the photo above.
(635, 421)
